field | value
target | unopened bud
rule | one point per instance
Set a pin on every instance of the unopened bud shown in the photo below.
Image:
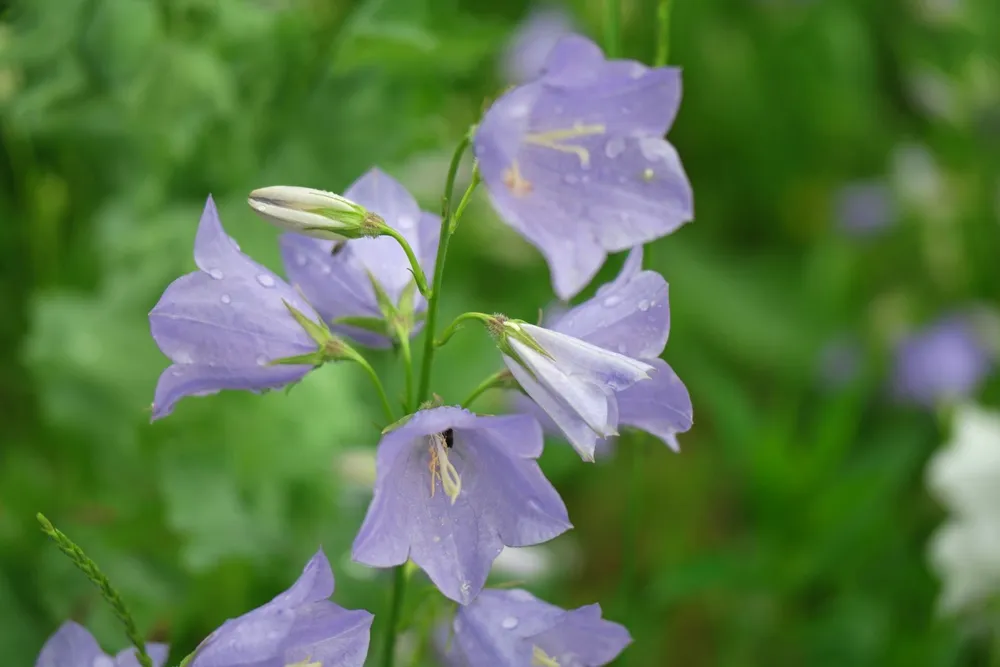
(316, 213)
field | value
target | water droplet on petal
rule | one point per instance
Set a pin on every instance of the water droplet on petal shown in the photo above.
(518, 594)
(265, 280)
(437, 538)
(644, 305)
(300, 259)
(324, 269)
(612, 301)
(614, 147)
(262, 360)
(519, 110)
(622, 348)
(571, 179)
(217, 274)
(182, 357)
(509, 623)
(225, 298)
(637, 71)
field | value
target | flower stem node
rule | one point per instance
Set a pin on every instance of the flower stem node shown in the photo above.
(316, 213)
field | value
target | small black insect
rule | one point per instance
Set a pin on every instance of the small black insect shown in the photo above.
(449, 438)
(337, 248)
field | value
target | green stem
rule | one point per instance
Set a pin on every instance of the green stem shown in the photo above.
(98, 578)
(395, 608)
(386, 406)
(418, 273)
(612, 28)
(663, 32)
(404, 346)
(466, 197)
(456, 324)
(434, 301)
(495, 380)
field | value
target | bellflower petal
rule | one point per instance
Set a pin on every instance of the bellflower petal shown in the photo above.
(512, 628)
(576, 162)
(299, 626)
(503, 498)
(661, 407)
(223, 324)
(73, 646)
(947, 361)
(526, 53)
(337, 282)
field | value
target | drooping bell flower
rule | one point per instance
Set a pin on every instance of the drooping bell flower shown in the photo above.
(575, 161)
(228, 324)
(452, 489)
(513, 628)
(365, 288)
(300, 627)
(73, 646)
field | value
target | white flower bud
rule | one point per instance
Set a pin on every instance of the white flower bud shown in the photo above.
(315, 213)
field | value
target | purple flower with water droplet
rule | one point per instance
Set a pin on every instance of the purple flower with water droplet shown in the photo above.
(513, 628)
(864, 209)
(628, 319)
(224, 324)
(576, 161)
(337, 279)
(525, 55)
(73, 646)
(452, 490)
(299, 628)
(944, 362)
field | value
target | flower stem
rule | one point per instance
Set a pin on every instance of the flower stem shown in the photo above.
(395, 608)
(418, 273)
(663, 32)
(386, 406)
(456, 324)
(612, 28)
(495, 380)
(98, 578)
(449, 219)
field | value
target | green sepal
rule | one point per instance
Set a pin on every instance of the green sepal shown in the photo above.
(318, 331)
(311, 359)
(373, 324)
(385, 303)
(396, 424)
(407, 298)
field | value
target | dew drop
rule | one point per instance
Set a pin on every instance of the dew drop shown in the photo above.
(518, 594)
(519, 110)
(614, 147)
(637, 71)
(225, 298)
(265, 280)
(216, 274)
(509, 623)
(300, 260)
(324, 269)
(437, 538)
(644, 305)
(183, 357)
(622, 348)
(571, 179)
(262, 360)
(612, 301)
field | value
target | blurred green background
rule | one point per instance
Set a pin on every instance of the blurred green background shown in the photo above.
(792, 529)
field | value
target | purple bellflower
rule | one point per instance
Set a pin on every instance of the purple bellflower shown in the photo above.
(591, 386)
(73, 646)
(299, 628)
(452, 490)
(946, 361)
(513, 628)
(576, 161)
(526, 52)
(223, 325)
(344, 281)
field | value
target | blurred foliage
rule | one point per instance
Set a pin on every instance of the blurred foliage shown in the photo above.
(790, 532)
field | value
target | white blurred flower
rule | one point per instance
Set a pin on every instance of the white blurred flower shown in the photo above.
(965, 476)
(356, 466)
(526, 564)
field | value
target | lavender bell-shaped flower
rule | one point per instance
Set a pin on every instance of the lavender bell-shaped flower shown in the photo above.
(73, 646)
(946, 361)
(226, 325)
(343, 281)
(525, 54)
(452, 490)
(596, 366)
(512, 628)
(300, 627)
(576, 162)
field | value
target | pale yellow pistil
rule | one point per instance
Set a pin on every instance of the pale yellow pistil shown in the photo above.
(442, 468)
(305, 663)
(554, 139)
(540, 658)
(515, 181)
